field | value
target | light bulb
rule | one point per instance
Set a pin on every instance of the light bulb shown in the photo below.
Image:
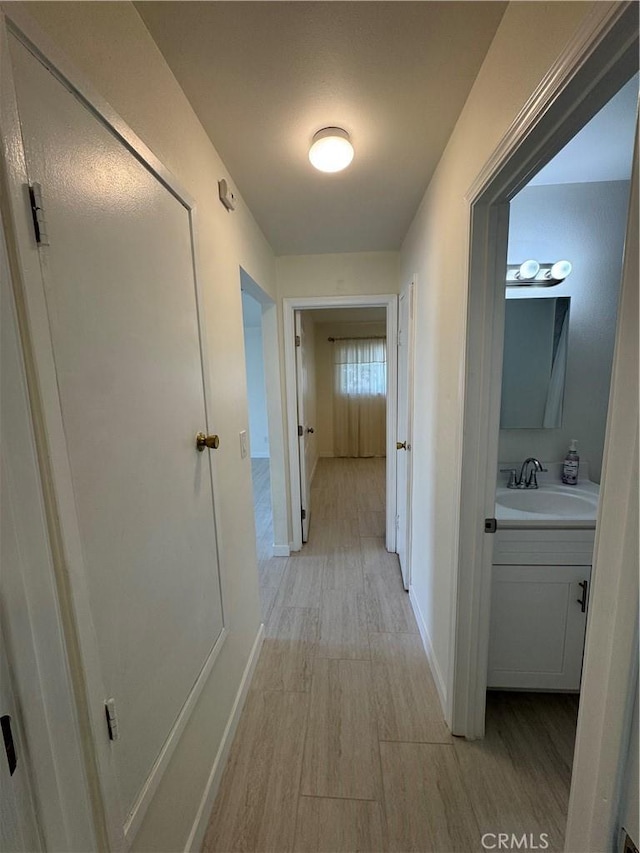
(528, 270)
(331, 150)
(560, 270)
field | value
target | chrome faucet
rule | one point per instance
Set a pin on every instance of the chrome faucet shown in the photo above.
(527, 479)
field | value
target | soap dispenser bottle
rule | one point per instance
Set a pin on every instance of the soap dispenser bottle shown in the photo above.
(570, 465)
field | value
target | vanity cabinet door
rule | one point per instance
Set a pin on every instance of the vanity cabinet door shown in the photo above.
(537, 627)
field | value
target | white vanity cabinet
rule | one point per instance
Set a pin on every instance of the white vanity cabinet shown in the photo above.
(539, 598)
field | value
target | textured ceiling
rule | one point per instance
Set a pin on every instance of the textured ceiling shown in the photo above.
(264, 76)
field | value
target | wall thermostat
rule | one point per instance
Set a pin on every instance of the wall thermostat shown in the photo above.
(227, 196)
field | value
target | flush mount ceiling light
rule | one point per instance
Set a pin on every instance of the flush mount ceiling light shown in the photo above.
(331, 150)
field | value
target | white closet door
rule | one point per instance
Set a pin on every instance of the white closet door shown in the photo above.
(305, 431)
(404, 422)
(123, 318)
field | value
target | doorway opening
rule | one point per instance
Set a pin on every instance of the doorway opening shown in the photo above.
(336, 408)
(559, 337)
(341, 372)
(265, 441)
(585, 82)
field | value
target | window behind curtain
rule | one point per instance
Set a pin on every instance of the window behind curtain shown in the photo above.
(360, 367)
(360, 397)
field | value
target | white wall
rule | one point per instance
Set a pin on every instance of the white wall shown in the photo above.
(324, 368)
(528, 40)
(354, 273)
(584, 223)
(110, 45)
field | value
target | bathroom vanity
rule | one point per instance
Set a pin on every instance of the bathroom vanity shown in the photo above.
(540, 586)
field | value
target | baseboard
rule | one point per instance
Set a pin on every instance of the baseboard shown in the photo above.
(196, 836)
(281, 550)
(261, 455)
(426, 642)
(325, 454)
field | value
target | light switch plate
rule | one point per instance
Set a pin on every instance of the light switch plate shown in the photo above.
(244, 448)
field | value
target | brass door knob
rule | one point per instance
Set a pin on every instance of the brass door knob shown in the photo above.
(401, 445)
(210, 441)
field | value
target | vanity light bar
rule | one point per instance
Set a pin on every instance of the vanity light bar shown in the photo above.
(534, 274)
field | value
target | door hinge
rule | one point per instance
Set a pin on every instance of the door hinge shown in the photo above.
(490, 525)
(584, 598)
(298, 341)
(300, 430)
(37, 214)
(112, 719)
(303, 514)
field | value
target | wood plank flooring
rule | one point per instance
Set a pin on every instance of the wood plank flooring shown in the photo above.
(342, 745)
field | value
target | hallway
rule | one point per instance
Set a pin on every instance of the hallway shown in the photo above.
(341, 745)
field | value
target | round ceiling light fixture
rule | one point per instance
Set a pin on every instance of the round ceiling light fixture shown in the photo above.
(331, 150)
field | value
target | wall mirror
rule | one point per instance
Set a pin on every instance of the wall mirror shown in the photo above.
(536, 337)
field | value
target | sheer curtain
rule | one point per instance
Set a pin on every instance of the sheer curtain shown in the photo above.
(359, 397)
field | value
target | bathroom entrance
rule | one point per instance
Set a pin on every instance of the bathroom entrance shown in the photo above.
(562, 283)
(525, 577)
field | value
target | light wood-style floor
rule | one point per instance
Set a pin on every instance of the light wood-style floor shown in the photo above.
(342, 746)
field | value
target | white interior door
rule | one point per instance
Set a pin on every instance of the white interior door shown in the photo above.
(121, 305)
(18, 823)
(305, 430)
(404, 437)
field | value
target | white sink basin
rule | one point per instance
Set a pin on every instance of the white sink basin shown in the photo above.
(550, 503)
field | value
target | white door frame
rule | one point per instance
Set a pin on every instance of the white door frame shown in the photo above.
(412, 292)
(301, 419)
(599, 59)
(114, 829)
(271, 353)
(305, 303)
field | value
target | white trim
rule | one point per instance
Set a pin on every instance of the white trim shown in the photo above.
(289, 306)
(611, 649)
(33, 626)
(55, 467)
(261, 454)
(281, 550)
(412, 294)
(143, 801)
(201, 821)
(601, 56)
(273, 388)
(428, 648)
